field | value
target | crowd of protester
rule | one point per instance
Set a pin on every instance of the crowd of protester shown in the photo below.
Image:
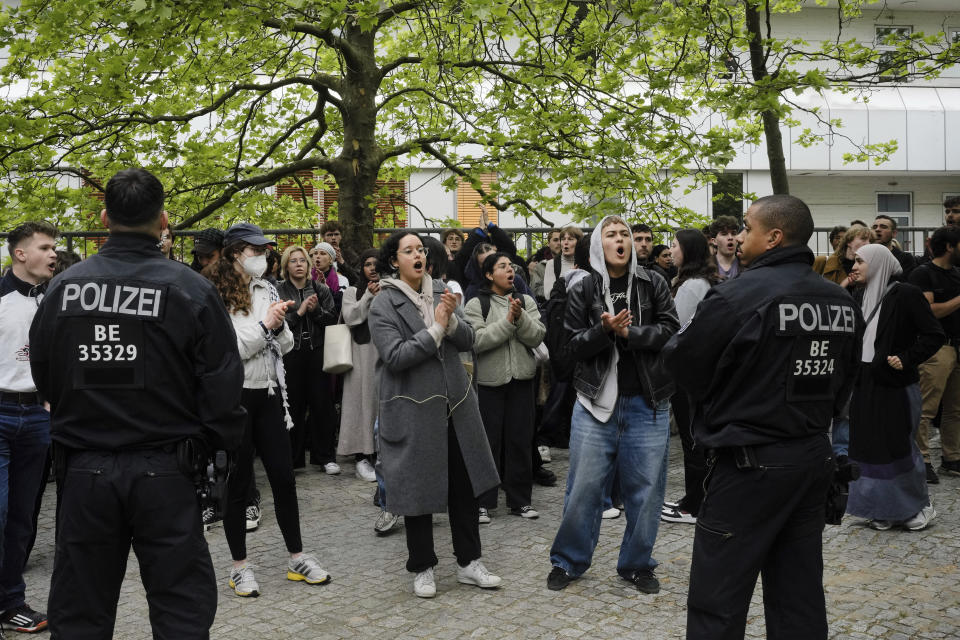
(451, 398)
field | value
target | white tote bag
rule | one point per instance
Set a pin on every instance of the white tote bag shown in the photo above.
(337, 349)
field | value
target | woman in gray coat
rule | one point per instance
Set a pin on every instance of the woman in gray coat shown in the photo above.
(433, 451)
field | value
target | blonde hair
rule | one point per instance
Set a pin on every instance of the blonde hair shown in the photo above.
(856, 231)
(285, 258)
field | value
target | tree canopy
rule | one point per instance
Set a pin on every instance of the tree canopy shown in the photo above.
(604, 100)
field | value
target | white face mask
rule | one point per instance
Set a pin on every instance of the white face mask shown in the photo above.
(254, 266)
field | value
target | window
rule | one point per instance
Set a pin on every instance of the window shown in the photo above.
(468, 201)
(953, 36)
(897, 205)
(890, 66)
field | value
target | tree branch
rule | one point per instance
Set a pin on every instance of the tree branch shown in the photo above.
(263, 179)
(395, 10)
(332, 40)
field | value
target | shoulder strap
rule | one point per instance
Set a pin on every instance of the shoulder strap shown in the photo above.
(484, 303)
(556, 267)
(879, 302)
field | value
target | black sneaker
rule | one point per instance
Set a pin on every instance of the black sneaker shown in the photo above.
(932, 477)
(24, 619)
(558, 579)
(645, 581)
(544, 477)
(950, 468)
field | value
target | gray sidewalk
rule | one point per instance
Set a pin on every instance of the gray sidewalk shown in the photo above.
(890, 585)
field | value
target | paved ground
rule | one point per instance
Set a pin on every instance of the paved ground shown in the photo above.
(893, 585)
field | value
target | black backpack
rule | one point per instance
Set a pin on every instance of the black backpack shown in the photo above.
(557, 338)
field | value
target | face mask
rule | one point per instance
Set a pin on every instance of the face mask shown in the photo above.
(254, 266)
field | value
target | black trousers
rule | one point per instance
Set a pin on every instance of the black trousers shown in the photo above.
(694, 458)
(108, 501)
(462, 507)
(507, 413)
(264, 429)
(309, 388)
(766, 520)
(554, 428)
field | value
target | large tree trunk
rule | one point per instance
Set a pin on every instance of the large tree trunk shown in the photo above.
(771, 119)
(358, 164)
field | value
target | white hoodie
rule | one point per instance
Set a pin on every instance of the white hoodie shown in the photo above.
(602, 407)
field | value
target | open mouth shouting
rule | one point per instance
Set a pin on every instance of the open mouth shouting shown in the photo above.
(418, 265)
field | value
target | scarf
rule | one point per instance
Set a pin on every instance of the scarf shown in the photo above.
(422, 300)
(273, 347)
(881, 266)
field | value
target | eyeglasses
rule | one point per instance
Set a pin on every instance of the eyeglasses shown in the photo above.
(420, 251)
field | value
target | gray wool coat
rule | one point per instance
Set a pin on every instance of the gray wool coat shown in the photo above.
(419, 385)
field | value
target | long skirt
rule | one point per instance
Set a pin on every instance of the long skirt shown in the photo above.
(883, 426)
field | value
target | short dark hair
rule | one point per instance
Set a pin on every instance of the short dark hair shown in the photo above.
(789, 214)
(952, 201)
(388, 250)
(331, 225)
(490, 261)
(446, 233)
(857, 223)
(838, 230)
(893, 223)
(724, 224)
(133, 197)
(945, 235)
(27, 230)
(640, 227)
(657, 250)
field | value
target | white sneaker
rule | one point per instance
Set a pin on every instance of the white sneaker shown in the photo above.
(365, 471)
(922, 520)
(483, 516)
(476, 574)
(544, 452)
(243, 583)
(331, 469)
(306, 569)
(424, 585)
(253, 516)
(611, 513)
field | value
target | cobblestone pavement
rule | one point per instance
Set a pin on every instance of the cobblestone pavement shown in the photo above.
(893, 585)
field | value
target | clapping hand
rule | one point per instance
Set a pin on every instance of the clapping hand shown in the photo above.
(276, 313)
(309, 304)
(516, 308)
(619, 324)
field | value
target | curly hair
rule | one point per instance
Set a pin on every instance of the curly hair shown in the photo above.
(228, 281)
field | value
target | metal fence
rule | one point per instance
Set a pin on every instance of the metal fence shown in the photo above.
(528, 239)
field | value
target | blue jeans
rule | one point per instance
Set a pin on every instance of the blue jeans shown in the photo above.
(24, 443)
(633, 442)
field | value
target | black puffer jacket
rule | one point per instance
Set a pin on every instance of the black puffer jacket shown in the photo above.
(592, 346)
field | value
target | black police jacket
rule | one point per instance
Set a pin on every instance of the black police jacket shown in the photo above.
(771, 355)
(592, 347)
(312, 323)
(135, 351)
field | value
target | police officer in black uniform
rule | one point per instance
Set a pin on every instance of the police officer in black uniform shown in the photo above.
(769, 356)
(139, 361)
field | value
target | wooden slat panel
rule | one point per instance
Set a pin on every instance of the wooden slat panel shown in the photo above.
(468, 200)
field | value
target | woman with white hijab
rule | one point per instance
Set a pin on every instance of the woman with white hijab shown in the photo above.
(901, 332)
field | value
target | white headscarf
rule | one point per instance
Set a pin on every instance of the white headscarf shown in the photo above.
(881, 266)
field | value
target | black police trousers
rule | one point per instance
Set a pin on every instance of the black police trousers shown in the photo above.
(765, 520)
(108, 501)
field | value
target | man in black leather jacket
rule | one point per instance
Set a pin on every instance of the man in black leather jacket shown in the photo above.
(619, 318)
